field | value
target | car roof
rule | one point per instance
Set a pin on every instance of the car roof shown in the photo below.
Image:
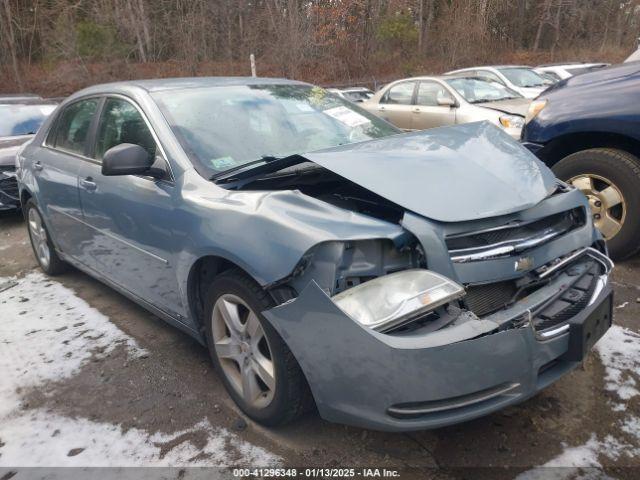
(180, 83)
(490, 66)
(571, 64)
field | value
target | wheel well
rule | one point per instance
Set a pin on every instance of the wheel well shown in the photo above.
(200, 277)
(24, 198)
(560, 147)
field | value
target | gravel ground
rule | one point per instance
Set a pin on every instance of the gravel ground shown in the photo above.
(88, 378)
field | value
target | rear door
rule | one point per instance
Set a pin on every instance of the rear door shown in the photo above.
(132, 242)
(396, 104)
(55, 169)
(427, 112)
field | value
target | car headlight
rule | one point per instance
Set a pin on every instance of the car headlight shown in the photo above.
(535, 108)
(390, 300)
(511, 121)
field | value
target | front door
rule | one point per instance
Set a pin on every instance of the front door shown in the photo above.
(395, 105)
(427, 111)
(128, 214)
(56, 172)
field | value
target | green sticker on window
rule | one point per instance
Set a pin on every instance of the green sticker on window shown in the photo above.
(221, 163)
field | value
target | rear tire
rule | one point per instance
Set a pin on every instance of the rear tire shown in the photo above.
(611, 180)
(43, 248)
(255, 365)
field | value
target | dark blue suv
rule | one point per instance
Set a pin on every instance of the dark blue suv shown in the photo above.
(587, 129)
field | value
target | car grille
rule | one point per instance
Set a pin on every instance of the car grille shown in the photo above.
(572, 302)
(512, 239)
(485, 299)
(8, 183)
(489, 298)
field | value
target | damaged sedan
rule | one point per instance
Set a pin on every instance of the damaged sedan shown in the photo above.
(392, 281)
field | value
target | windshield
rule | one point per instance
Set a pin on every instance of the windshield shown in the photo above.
(523, 77)
(474, 90)
(16, 119)
(222, 128)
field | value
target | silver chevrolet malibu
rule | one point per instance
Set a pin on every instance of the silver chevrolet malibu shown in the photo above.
(393, 281)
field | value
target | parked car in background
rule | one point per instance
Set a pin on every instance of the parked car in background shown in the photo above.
(560, 71)
(20, 118)
(634, 57)
(19, 97)
(426, 102)
(399, 281)
(353, 94)
(587, 128)
(520, 78)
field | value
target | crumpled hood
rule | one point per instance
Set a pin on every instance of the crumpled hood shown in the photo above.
(515, 106)
(9, 147)
(450, 174)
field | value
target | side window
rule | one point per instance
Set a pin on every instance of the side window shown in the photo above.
(489, 76)
(429, 93)
(122, 123)
(73, 126)
(400, 94)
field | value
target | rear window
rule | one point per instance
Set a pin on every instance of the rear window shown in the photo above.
(18, 119)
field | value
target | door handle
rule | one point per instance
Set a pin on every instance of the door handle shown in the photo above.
(37, 166)
(381, 108)
(88, 184)
(416, 110)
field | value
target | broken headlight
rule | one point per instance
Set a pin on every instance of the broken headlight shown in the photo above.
(391, 300)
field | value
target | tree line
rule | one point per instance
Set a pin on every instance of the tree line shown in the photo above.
(56, 44)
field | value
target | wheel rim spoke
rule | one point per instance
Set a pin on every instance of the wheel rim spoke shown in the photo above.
(264, 369)
(254, 329)
(231, 316)
(610, 197)
(584, 184)
(250, 388)
(608, 225)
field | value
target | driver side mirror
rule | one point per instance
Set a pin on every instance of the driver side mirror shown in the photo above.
(126, 159)
(446, 101)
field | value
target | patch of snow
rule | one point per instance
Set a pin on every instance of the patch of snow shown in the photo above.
(619, 351)
(576, 462)
(47, 334)
(622, 305)
(48, 440)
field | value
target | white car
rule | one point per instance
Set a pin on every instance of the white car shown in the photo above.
(519, 78)
(560, 71)
(353, 94)
(634, 57)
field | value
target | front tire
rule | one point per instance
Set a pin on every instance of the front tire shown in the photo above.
(610, 179)
(43, 249)
(255, 365)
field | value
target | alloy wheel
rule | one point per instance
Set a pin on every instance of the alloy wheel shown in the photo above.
(608, 206)
(38, 236)
(243, 350)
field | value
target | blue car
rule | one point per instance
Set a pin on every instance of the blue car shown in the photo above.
(587, 129)
(392, 281)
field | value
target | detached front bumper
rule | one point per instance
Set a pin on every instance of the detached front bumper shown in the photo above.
(421, 381)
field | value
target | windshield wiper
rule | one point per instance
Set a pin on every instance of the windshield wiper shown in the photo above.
(264, 164)
(262, 159)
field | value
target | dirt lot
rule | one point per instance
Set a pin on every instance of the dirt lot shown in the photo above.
(139, 392)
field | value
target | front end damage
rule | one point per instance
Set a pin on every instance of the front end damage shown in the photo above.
(510, 294)
(536, 299)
